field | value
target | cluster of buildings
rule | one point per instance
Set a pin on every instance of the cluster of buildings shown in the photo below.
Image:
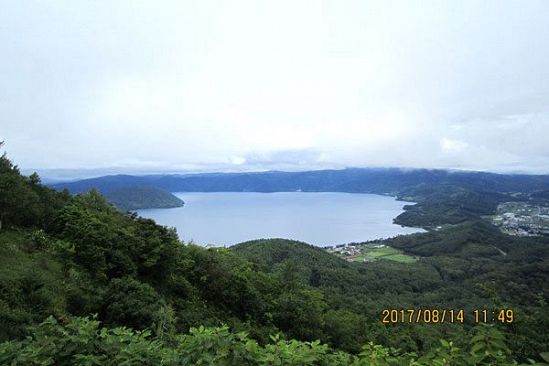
(348, 250)
(519, 218)
(352, 250)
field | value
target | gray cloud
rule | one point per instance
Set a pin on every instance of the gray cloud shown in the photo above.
(249, 85)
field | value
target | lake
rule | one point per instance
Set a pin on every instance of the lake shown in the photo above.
(319, 218)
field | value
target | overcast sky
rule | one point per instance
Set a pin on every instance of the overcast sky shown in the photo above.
(251, 85)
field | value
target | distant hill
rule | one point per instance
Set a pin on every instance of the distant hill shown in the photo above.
(363, 180)
(136, 198)
(272, 252)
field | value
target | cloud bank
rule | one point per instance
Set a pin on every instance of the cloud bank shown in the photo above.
(251, 85)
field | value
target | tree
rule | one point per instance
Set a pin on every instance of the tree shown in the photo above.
(131, 303)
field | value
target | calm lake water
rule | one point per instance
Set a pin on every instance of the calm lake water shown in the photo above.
(324, 218)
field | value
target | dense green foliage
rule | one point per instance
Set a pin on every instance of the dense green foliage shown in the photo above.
(136, 198)
(264, 302)
(447, 204)
(23, 200)
(463, 270)
(81, 341)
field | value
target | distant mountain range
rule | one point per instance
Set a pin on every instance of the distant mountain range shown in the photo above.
(365, 180)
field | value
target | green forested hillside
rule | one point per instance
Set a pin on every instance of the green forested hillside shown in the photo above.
(439, 204)
(466, 272)
(136, 198)
(82, 283)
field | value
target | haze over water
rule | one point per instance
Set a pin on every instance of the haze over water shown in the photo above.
(323, 218)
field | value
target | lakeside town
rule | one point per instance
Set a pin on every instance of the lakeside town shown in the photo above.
(522, 219)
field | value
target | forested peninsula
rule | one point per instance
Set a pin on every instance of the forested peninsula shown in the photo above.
(138, 198)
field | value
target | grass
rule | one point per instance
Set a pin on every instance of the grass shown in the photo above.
(372, 252)
(402, 258)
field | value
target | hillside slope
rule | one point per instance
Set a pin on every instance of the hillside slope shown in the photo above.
(75, 256)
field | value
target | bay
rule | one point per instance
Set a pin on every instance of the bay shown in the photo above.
(318, 218)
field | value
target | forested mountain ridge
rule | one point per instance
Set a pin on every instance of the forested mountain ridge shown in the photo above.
(71, 257)
(366, 180)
